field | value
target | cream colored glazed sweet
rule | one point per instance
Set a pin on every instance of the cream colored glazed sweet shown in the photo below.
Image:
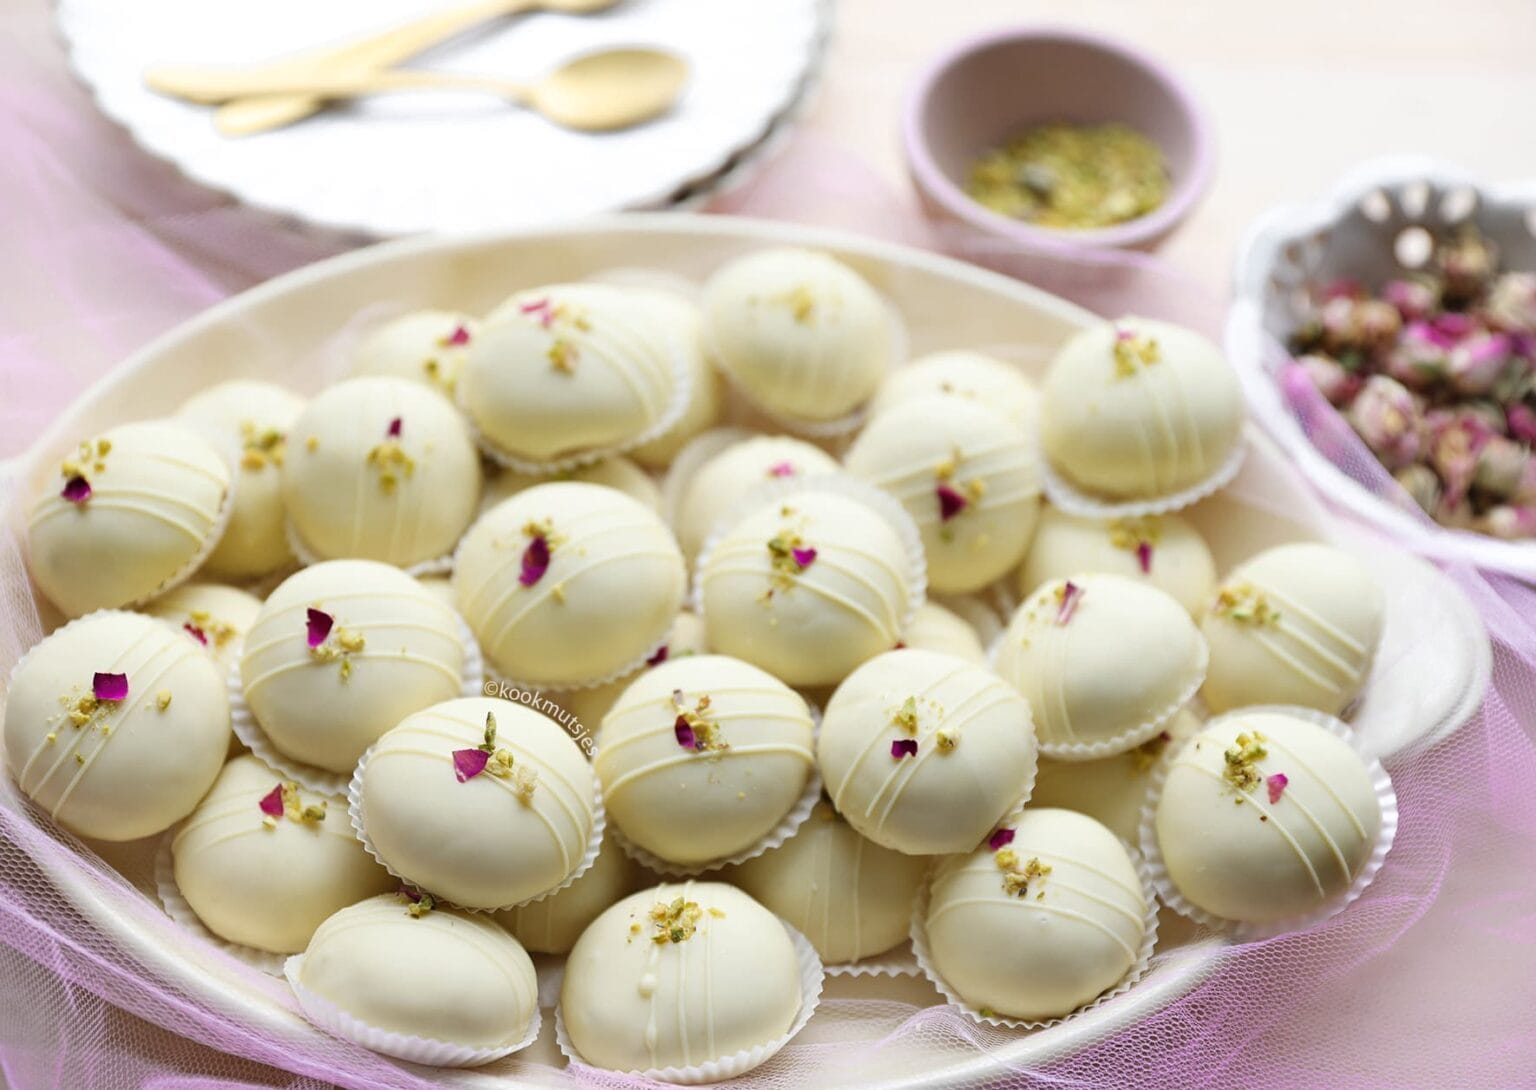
(1112, 790)
(380, 469)
(403, 968)
(849, 896)
(935, 628)
(1265, 817)
(553, 924)
(248, 422)
(561, 370)
(706, 394)
(923, 752)
(807, 587)
(800, 332)
(1165, 551)
(1045, 917)
(214, 617)
(1139, 408)
(568, 583)
(263, 863)
(116, 725)
(677, 976)
(702, 757)
(341, 652)
(968, 477)
(427, 346)
(128, 514)
(1104, 661)
(589, 706)
(481, 801)
(975, 376)
(615, 472)
(1297, 624)
(440, 587)
(725, 480)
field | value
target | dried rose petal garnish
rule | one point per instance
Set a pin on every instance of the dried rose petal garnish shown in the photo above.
(781, 469)
(903, 747)
(195, 632)
(113, 687)
(469, 763)
(951, 502)
(1276, 785)
(659, 657)
(1000, 839)
(803, 557)
(318, 625)
(458, 338)
(76, 490)
(535, 561)
(393, 431)
(271, 803)
(543, 309)
(683, 731)
(1144, 557)
(1067, 597)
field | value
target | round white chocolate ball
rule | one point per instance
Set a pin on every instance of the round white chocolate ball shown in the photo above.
(214, 617)
(268, 881)
(157, 491)
(1112, 790)
(116, 769)
(444, 975)
(730, 476)
(510, 833)
(1043, 925)
(248, 422)
(440, 587)
(552, 925)
(677, 976)
(570, 368)
(1165, 551)
(591, 600)
(1104, 663)
(392, 649)
(587, 707)
(935, 628)
(352, 487)
(974, 376)
(924, 752)
(1139, 408)
(1241, 843)
(800, 332)
(706, 395)
(1297, 624)
(849, 896)
(703, 756)
(968, 478)
(807, 623)
(426, 346)
(615, 472)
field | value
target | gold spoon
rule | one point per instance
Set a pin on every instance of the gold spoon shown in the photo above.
(596, 92)
(366, 54)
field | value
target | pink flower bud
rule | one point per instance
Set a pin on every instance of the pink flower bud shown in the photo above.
(1414, 299)
(1521, 419)
(1377, 324)
(1455, 439)
(1501, 466)
(1467, 262)
(1509, 522)
(1511, 302)
(1388, 418)
(1453, 326)
(1420, 358)
(1331, 379)
(1341, 330)
(1477, 363)
(1420, 482)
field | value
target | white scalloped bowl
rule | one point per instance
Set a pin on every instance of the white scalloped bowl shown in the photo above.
(1353, 232)
(1430, 673)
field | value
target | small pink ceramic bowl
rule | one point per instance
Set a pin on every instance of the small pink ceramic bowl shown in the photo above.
(989, 88)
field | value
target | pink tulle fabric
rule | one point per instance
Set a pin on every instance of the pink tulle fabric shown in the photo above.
(1425, 982)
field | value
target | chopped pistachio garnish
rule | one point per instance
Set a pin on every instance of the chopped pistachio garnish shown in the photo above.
(1244, 603)
(312, 444)
(1242, 761)
(946, 741)
(296, 809)
(163, 699)
(220, 632)
(801, 302)
(79, 758)
(675, 922)
(1131, 533)
(1016, 879)
(905, 717)
(562, 357)
(392, 463)
(51, 738)
(694, 727)
(260, 446)
(416, 904)
(1133, 349)
(789, 556)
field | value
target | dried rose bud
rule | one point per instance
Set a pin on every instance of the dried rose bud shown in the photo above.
(1501, 466)
(1467, 263)
(1389, 419)
(1420, 482)
(1414, 299)
(1489, 414)
(1421, 357)
(1509, 522)
(1455, 439)
(1341, 327)
(1479, 362)
(1511, 303)
(1377, 324)
(1521, 421)
(1457, 515)
(1330, 377)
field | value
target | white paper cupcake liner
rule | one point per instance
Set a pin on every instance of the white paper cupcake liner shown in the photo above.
(897, 961)
(311, 777)
(359, 819)
(1386, 797)
(1074, 501)
(692, 458)
(812, 978)
(330, 1018)
(177, 908)
(1126, 740)
(549, 970)
(215, 535)
(682, 394)
(1137, 970)
(882, 503)
(786, 828)
(308, 558)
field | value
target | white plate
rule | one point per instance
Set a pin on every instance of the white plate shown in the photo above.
(1350, 233)
(402, 164)
(1434, 659)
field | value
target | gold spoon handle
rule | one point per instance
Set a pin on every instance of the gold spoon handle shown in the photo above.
(341, 85)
